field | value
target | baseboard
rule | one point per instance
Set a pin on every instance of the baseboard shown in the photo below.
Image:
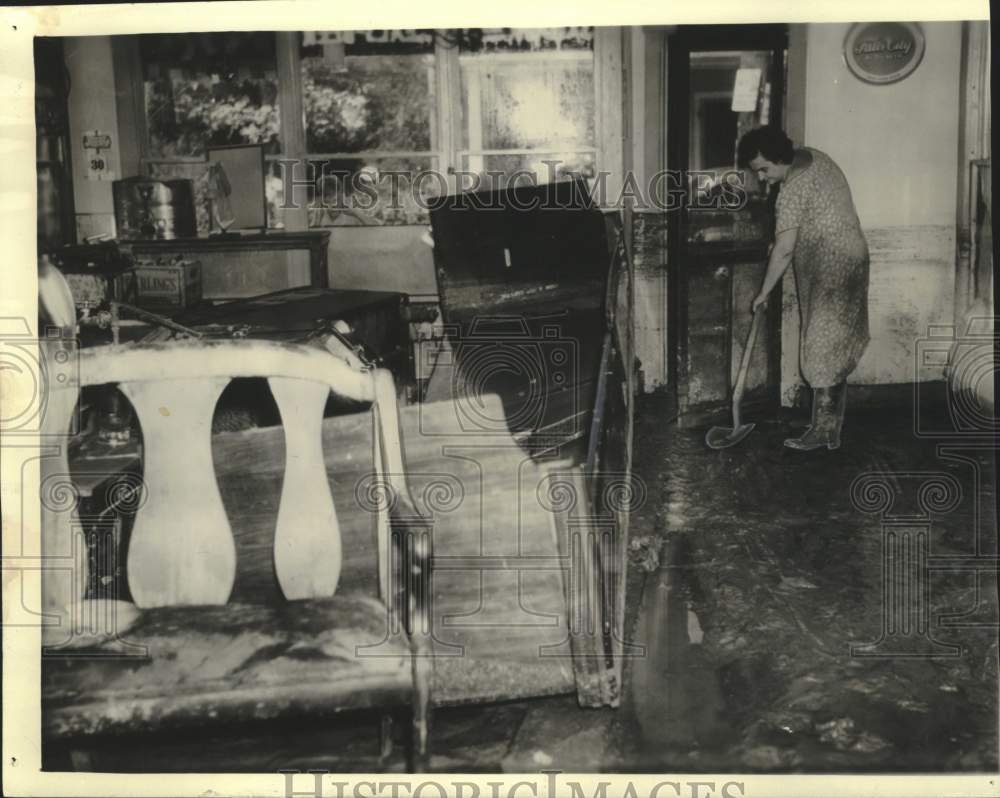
(902, 396)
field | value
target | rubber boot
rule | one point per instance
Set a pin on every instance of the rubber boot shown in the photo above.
(812, 421)
(839, 407)
(828, 415)
(812, 415)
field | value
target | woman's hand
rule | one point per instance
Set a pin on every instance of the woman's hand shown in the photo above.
(779, 259)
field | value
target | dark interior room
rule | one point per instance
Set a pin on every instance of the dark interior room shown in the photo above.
(603, 400)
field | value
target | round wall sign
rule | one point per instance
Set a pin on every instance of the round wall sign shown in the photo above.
(883, 52)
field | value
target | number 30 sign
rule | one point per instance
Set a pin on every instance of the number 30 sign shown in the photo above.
(97, 151)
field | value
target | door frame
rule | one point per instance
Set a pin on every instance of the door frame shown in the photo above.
(680, 43)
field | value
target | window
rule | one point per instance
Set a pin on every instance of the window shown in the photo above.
(387, 117)
(209, 89)
(370, 109)
(528, 103)
(202, 90)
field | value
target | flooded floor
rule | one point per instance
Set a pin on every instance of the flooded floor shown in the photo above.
(796, 612)
(824, 611)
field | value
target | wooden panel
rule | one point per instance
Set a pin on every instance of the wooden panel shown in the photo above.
(497, 583)
(747, 278)
(580, 539)
(614, 494)
(239, 274)
(618, 456)
(130, 103)
(974, 145)
(795, 97)
(608, 91)
(708, 335)
(231, 359)
(182, 549)
(721, 284)
(650, 258)
(293, 136)
(307, 551)
(252, 264)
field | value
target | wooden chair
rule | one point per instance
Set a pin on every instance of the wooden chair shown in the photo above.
(184, 653)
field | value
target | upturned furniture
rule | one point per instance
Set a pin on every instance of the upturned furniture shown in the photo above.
(188, 647)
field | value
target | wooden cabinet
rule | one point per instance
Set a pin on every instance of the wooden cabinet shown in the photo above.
(250, 265)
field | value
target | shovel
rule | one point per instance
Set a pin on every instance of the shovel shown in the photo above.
(724, 437)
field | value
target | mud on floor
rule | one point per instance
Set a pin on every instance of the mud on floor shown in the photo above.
(773, 585)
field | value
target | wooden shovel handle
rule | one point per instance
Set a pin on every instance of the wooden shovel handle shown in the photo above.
(741, 377)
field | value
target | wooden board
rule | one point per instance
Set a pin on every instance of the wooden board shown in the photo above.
(499, 609)
(250, 265)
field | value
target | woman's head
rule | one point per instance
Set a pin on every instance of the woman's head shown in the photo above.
(767, 151)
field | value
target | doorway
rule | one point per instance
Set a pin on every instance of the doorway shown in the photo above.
(722, 81)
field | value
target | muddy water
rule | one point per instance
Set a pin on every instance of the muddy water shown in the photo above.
(773, 584)
(676, 695)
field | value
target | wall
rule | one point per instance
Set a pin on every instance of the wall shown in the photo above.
(897, 145)
(92, 107)
(645, 157)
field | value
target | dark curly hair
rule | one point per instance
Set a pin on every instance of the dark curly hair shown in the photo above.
(769, 142)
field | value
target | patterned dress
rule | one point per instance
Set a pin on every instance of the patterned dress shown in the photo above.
(831, 267)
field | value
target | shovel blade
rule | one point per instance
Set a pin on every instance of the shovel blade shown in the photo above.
(724, 437)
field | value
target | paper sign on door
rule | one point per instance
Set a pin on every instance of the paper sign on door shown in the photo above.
(745, 89)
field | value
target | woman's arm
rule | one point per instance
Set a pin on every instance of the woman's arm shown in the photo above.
(777, 265)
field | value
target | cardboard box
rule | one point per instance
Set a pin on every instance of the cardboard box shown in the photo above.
(168, 286)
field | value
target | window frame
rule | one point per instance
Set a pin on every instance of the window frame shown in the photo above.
(608, 149)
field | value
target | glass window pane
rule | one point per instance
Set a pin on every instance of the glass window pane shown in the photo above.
(511, 105)
(362, 97)
(373, 191)
(527, 88)
(533, 168)
(208, 89)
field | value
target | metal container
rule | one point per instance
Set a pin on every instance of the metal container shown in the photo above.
(147, 209)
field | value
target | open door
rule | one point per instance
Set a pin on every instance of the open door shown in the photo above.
(722, 82)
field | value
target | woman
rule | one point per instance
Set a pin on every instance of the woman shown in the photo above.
(817, 228)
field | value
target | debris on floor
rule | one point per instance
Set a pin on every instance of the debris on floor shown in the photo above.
(784, 569)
